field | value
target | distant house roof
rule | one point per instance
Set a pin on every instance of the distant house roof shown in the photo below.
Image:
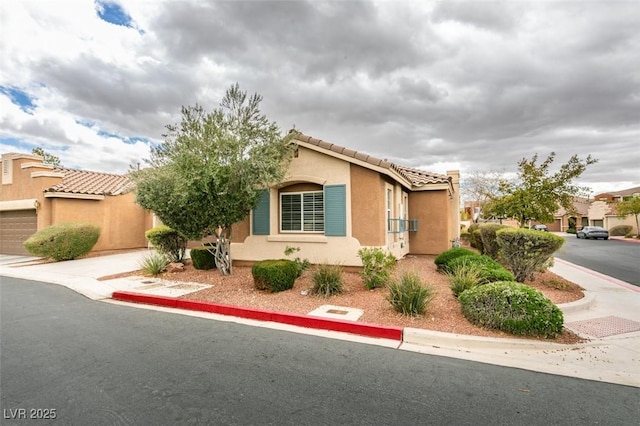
(580, 204)
(91, 183)
(622, 193)
(417, 177)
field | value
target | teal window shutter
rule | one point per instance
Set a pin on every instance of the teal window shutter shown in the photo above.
(261, 214)
(335, 210)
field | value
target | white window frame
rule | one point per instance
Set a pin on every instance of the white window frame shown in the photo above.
(389, 192)
(302, 223)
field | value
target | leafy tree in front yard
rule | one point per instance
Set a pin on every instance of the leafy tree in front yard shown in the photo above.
(536, 194)
(207, 174)
(629, 206)
(47, 158)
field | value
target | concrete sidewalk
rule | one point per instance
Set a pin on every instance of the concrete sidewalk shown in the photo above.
(609, 316)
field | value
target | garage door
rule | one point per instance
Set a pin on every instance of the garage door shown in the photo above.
(15, 227)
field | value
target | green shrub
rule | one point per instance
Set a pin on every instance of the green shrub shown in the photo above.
(376, 266)
(490, 270)
(620, 230)
(408, 296)
(274, 275)
(301, 264)
(154, 264)
(525, 251)
(443, 259)
(512, 307)
(488, 236)
(464, 276)
(202, 258)
(475, 239)
(327, 280)
(63, 241)
(465, 237)
(571, 230)
(168, 242)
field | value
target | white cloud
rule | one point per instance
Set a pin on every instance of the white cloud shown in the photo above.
(437, 85)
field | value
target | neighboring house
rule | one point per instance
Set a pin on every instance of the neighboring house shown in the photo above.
(34, 195)
(334, 201)
(576, 220)
(602, 209)
(599, 211)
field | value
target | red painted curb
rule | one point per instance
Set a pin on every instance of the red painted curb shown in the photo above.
(363, 329)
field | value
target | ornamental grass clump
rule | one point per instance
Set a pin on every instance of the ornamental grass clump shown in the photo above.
(327, 280)
(154, 264)
(464, 276)
(408, 295)
(513, 308)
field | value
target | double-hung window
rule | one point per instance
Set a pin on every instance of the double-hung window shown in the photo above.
(302, 211)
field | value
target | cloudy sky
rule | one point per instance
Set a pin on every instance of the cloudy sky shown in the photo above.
(474, 86)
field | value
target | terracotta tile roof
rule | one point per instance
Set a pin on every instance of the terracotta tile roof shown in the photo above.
(417, 177)
(93, 183)
(581, 205)
(623, 193)
(421, 177)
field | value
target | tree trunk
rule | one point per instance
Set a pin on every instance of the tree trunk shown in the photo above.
(222, 250)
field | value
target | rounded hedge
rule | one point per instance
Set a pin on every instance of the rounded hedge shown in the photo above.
(202, 258)
(63, 241)
(488, 237)
(512, 307)
(168, 241)
(447, 256)
(274, 275)
(620, 230)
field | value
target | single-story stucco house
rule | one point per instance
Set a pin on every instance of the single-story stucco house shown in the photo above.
(334, 201)
(34, 195)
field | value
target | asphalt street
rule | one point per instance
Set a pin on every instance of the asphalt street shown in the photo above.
(618, 259)
(96, 363)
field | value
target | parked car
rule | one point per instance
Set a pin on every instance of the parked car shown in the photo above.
(595, 232)
(540, 228)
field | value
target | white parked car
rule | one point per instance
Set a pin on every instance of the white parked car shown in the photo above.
(595, 232)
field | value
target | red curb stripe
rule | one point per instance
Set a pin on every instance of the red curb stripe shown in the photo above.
(363, 329)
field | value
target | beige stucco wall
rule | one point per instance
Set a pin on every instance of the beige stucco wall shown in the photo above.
(432, 209)
(308, 167)
(367, 204)
(597, 210)
(122, 222)
(611, 221)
